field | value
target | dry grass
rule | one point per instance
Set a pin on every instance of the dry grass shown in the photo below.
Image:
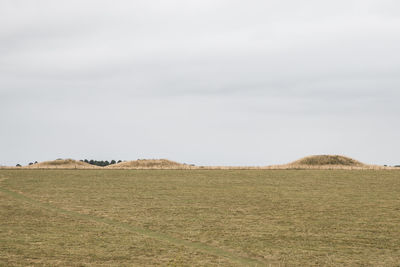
(199, 217)
(329, 162)
(149, 164)
(319, 162)
(61, 164)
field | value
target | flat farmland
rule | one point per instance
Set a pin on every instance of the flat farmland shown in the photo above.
(199, 217)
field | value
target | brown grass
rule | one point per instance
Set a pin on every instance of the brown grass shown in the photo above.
(321, 160)
(318, 162)
(61, 164)
(328, 162)
(149, 164)
(199, 218)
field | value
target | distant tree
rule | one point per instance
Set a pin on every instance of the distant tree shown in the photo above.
(18, 165)
(30, 163)
(119, 161)
(36, 162)
(101, 163)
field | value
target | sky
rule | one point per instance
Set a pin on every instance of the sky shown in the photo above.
(211, 82)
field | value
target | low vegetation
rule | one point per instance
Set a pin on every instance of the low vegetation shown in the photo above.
(329, 162)
(199, 217)
(311, 162)
(149, 164)
(321, 160)
(60, 164)
(101, 163)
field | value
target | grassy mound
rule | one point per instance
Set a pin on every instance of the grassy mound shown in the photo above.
(148, 164)
(319, 160)
(327, 160)
(61, 164)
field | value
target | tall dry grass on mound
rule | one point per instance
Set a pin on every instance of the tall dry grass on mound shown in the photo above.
(318, 162)
(326, 167)
(150, 164)
(61, 164)
(321, 160)
(328, 162)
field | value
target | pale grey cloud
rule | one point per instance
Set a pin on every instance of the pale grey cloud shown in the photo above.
(208, 82)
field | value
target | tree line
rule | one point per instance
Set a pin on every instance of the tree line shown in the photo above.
(101, 163)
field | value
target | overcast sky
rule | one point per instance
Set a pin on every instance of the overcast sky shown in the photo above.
(210, 82)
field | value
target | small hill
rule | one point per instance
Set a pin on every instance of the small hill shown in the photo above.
(61, 164)
(149, 164)
(324, 160)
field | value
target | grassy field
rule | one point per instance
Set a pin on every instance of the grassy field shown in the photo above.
(199, 217)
